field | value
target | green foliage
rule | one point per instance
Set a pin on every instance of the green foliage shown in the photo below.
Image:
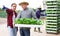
(27, 21)
(3, 14)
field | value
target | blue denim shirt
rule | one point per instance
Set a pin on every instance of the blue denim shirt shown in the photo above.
(27, 13)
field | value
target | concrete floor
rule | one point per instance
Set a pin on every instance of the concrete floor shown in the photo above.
(4, 31)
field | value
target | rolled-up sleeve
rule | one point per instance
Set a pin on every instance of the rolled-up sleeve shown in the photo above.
(9, 11)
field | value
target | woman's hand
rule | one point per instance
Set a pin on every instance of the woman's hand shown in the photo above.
(4, 8)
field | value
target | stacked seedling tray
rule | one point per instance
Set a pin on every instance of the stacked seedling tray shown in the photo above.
(52, 16)
(58, 14)
(28, 21)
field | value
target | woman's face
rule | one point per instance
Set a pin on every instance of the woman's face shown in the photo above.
(13, 7)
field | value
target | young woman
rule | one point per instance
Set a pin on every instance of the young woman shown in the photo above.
(38, 15)
(10, 13)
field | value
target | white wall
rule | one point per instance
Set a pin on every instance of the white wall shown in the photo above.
(33, 3)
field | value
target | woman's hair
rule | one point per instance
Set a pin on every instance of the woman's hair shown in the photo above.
(39, 8)
(13, 4)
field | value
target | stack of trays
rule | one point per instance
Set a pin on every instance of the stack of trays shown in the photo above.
(52, 16)
(58, 14)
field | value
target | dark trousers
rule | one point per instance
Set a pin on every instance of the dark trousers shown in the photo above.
(39, 29)
(25, 31)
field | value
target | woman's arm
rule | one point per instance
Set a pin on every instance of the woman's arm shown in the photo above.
(7, 9)
(42, 10)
